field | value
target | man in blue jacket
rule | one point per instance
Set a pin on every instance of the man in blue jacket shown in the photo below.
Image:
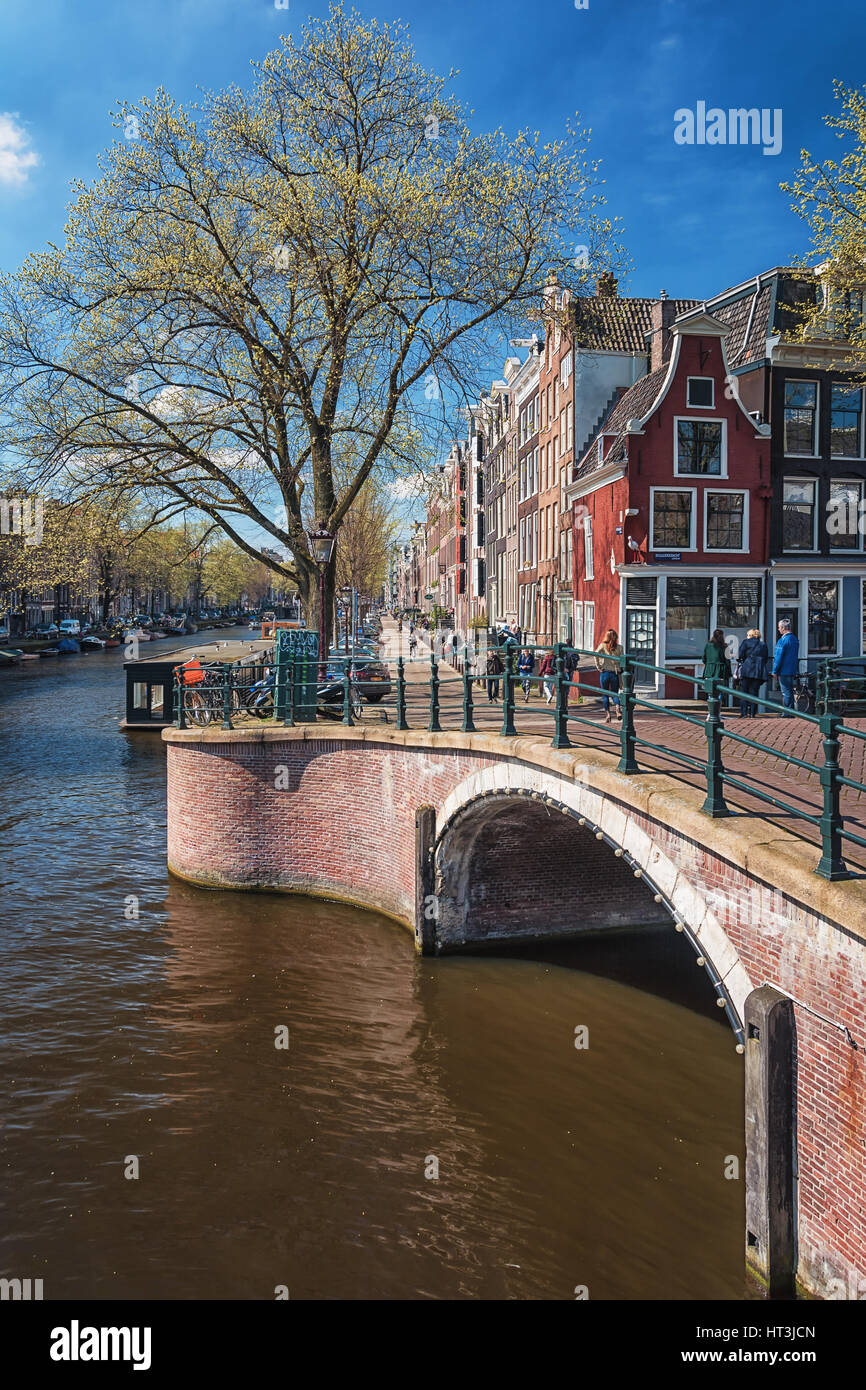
(786, 662)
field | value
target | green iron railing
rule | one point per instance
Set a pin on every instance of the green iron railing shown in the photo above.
(227, 695)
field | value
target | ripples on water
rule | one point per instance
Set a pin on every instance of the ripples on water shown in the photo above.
(261, 1167)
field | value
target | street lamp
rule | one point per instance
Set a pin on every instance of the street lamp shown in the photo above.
(322, 542)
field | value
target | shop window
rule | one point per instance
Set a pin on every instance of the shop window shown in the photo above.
(687, 617)
(738, 608)
(823, 598)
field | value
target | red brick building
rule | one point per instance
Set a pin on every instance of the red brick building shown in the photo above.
(670, 509)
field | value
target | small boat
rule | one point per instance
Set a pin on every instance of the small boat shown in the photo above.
(95, 643)
(10, 656)
(29, 656)
(112, 642)
(67, 646)
(49, 651)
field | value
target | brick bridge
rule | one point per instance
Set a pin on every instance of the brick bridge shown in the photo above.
(471, 838)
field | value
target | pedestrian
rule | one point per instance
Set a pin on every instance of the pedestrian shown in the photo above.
(717, 665)
(413, 643)
(607, 655)
(525, 668)
(547, 671)
(494, 671)
(754, 656)
(786, 662)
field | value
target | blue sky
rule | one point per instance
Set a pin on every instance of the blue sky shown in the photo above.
(697, 218)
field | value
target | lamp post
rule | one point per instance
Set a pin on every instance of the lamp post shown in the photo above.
(347, 594)
(322, 542)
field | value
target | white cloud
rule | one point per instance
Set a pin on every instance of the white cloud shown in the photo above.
(16, 156)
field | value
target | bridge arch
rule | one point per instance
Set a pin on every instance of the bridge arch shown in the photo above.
(523, 853)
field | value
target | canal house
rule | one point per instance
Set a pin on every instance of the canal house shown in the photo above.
(150, 694)
(670, 512)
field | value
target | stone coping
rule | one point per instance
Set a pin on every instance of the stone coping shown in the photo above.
(759, 848)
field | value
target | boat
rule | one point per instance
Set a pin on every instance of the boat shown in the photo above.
(95, 643)
(49, 651)
(67, 646)
(113, 642)
(29, 656)
(10, 656)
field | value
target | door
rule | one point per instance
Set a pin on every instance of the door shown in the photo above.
(793, 615)
(640, 641)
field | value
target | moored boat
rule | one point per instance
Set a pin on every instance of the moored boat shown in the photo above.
(10, 656)
(67, 646)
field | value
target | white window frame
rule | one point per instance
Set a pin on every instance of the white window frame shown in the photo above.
(588, 562)
(792, 478)
(589, 626)
(703, 406)
(848, 549)
(701, 420)
(724, 549)
(816, 428)
(680, 549)
(577, 623)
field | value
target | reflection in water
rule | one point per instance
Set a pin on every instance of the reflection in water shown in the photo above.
(260, 1166)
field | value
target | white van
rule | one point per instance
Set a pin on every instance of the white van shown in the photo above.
(70, 627)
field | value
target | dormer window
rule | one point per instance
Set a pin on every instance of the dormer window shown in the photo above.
(700, 392)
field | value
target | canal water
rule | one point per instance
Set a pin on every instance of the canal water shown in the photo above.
(429, 1131)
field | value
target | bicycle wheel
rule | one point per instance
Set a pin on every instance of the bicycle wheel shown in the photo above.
(803, 700)
(357, 704)
(197, 708)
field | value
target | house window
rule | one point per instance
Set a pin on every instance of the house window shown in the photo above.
(587, 548)
(823, 598)
(801, 411)
(672, 519)
(700, 447)
(589, 626)
(725, 521)
(738, 607)
(798, 514)
(687, 617)
(700, 391)
(846, 421)
(844, 514)
(578, 624)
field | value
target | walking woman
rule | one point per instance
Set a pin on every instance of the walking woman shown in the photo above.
(525, 668)
(607, 655)
(716, 663)
(754, 659)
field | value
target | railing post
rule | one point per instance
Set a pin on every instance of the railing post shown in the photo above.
(831, 682)
(180, 703)
(434, 727)
(714, 804)
(401, 695)
(288, 694)
(227, 696)
(508, 692)
(347, 698)
(831, 864)
(560, 731)
(468, 704)
(628, 761)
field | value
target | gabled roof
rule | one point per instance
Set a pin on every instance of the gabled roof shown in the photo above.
(608, 324)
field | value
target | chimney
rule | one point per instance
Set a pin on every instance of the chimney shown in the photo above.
(605, 285)
(663, 314)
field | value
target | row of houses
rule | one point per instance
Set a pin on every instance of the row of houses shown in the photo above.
(662, 467)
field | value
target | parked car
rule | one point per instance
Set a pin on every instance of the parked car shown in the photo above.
(45, 630)
(371, 676)
(70, 627)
